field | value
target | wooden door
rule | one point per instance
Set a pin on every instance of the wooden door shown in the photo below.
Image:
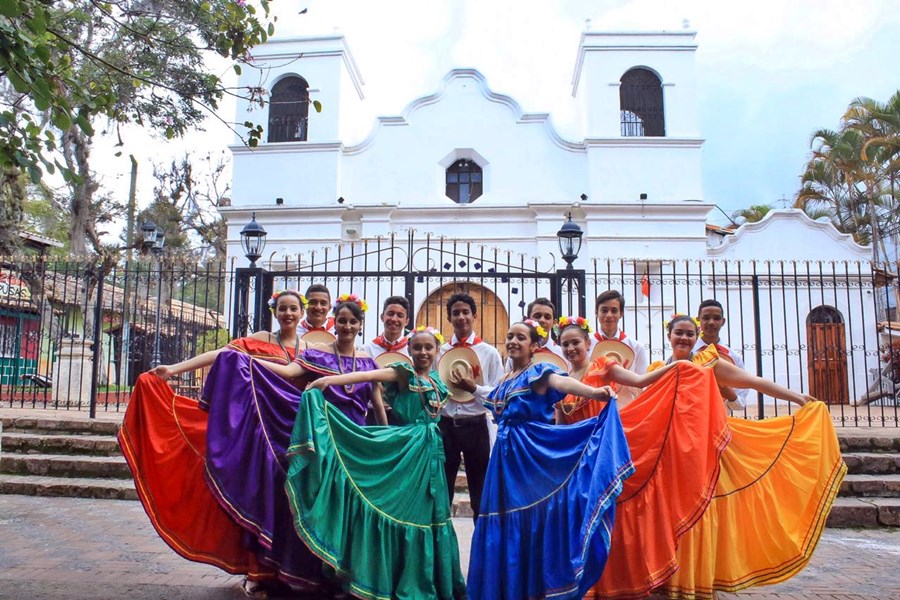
(827, 355)
(491, 318)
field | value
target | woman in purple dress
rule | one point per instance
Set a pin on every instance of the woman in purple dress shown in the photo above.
(251, 416)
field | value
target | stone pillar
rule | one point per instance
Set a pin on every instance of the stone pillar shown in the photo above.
(72, 384)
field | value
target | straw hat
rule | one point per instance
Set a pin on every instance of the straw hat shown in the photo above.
(548, 356)
(462, 360)
(318, 337)
(388, 358)
(614, 349)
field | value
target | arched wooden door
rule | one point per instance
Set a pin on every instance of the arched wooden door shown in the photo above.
(827, 355)
(491, 319)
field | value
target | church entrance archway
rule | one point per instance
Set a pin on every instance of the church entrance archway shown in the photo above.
(491, 320)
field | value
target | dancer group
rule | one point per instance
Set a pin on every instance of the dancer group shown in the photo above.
(603, 478)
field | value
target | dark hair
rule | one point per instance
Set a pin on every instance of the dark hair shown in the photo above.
(415, 333)
(541, 302)
(610, 295)
(353, 307)
(581, 329)
(318, 287)
(678, 318)
(535, 336)
(461, 298)
(710, 302)
(395, 300)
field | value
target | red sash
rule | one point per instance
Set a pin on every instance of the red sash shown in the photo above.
(328, 326)
(398, 345)
(600, 337)
(465, 344)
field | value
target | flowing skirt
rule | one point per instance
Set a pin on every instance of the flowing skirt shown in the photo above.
(548, 508)
(163, 438)
(251, 414)
(778, 480)
(372, 503)
(676, 431)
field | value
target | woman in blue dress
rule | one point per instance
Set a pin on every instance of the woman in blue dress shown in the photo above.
(549, 498)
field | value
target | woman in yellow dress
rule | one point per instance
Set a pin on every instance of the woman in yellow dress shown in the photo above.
(776, 480)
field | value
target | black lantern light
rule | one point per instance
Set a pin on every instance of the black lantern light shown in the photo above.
(148, 233)
(569, 237)
(253, 240)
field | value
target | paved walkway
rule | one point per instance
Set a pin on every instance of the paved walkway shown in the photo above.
(67, 548)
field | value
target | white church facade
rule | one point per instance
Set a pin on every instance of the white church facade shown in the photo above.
(465, 168)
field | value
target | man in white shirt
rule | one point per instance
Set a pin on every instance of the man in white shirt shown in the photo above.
(543, 311)
(712, 318)
(610, 308)
(394, 317)
(464, 425)
(318, 298)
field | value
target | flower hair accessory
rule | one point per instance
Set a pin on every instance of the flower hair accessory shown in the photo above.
(353, 298)
(674, 316)
(579, 321)
(274, 299)
(423, 329)
(537, 327)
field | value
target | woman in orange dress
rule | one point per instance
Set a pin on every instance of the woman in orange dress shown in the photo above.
(675, 441)
(163, 438)
(772, 486)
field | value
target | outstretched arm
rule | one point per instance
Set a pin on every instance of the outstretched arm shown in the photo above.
(730, 375)
(619, 374)
(287, 371)
(191, 364)
(568, 385)
(378, 375)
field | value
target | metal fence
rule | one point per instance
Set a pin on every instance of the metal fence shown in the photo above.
(75, 336)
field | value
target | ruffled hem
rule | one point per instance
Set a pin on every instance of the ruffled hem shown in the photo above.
(249, 428)
(677, 432)
(555, 544)
(162, 438)
(786, 473)
(402, 548)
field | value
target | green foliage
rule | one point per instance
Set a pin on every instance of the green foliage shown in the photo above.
(132, 61)
(212, 339)
(852, 173)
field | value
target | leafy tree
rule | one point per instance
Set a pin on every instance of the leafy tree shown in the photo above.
(127, 61)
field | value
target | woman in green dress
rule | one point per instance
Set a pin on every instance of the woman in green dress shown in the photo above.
(371, 502)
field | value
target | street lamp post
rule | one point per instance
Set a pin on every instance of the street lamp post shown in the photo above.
(155, 241)
(253, 241)
(570, 279)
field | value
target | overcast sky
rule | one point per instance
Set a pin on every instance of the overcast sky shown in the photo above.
(770, 72)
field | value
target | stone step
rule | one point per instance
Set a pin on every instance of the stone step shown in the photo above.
(885, 486)
(461, 484)
(462, 507)
(69, 487)
(41, 443)
(865, 512)
(889, 442)
(62, 424)
(61, 465)
(871, 463)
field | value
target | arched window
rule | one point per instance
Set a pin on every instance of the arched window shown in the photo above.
(288, 110)
(464, 181)
(641, 104)
(824, 315)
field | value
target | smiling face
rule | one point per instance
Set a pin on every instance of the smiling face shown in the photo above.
(346, 325)
(575, 345)
(543, 314)
(711, 321)
(288, 312)
(519, 345)
(462, 318)
(423, 348)
(319, 305)
(682, 337)
(395, 319)
(608, 315)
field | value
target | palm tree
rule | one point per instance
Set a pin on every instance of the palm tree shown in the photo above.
(753, 214)
(838, 178)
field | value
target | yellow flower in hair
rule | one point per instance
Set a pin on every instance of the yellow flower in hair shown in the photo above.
(579, 321)
(434, 332)
(676, 315)
(537, 327)
(351, 298)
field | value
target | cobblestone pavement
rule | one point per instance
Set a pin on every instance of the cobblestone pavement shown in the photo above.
(67, 548)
